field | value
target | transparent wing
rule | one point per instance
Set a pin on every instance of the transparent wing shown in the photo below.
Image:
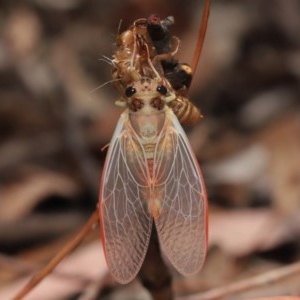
(182, 222)
(126, 222)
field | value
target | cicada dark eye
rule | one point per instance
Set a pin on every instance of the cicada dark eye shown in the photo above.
(162, 89)
(130, 91)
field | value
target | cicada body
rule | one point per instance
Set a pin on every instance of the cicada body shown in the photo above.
(151, 176)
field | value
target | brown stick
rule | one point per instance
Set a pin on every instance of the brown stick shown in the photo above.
(71, 245)
(201, 35)
(246, 284)
(154, 274)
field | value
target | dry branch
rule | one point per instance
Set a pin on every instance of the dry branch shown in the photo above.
(261, 280)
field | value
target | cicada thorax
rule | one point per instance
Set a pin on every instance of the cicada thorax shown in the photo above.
(146, 102)
(148, 122)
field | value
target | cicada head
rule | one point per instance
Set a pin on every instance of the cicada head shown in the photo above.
(148, 95)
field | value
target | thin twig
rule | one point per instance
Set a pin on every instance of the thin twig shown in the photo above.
(38, 277)
(201, 35)
(154, 274)
(21, 267)
(246, 284)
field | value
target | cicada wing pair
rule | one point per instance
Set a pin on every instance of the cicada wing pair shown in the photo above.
(178, 194)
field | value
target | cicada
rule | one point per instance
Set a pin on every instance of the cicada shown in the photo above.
(151, 176)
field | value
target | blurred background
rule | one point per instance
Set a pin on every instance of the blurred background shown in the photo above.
(57, 112)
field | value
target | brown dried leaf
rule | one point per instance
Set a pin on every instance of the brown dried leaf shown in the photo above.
(284, 168)
(18, 199)
(242, 232)
(84, 265)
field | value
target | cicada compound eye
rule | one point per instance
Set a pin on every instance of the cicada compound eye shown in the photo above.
(162, 90)
(130, 91)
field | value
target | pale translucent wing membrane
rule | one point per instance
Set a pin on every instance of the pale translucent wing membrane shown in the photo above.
(134, 157)
(126, 222)
(181, 224)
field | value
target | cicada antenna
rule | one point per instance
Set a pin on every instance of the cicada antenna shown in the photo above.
(104, 84)
(119, 27)
(201, 35)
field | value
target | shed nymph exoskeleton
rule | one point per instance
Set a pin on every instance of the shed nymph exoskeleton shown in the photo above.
(151, 175)
(148, 48)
